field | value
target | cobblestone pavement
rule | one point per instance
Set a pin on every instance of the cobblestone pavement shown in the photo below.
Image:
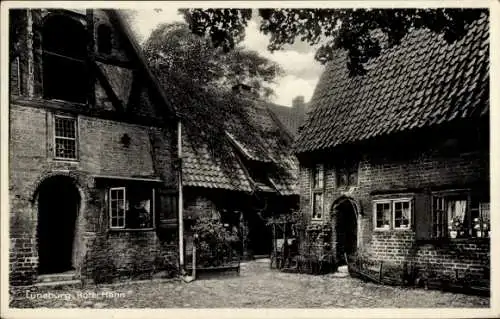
(257, 286)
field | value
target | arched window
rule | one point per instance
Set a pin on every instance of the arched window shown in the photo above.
(64, 43)
(104, 39)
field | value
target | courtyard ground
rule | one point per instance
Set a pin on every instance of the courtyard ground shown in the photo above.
(256, 287)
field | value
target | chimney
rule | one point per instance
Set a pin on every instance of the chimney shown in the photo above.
(298, 104)
(242, 88)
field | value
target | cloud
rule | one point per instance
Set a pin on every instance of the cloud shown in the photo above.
(290, 86)
(301, 70)
(146, 20)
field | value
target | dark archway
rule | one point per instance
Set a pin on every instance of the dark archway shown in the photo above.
(58, 205)
(346, 228)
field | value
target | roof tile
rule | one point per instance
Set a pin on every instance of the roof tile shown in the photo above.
(423, 81)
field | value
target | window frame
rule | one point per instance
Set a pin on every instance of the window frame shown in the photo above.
(445, 196)
(110, 202)
(75, 139)
(54, 53)
(381, 201)
(350, 169)
(392, 219)
(152, 213)
(317, 190)
(410, 217)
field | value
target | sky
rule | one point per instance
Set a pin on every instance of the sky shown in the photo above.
(301, 74)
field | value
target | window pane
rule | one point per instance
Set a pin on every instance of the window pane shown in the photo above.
(401, 214)
(383, 215)
(65, 137)
(318, 176)
(139, 210)
(481, 224)
(343, 178)
(317, 205)
(456, 209)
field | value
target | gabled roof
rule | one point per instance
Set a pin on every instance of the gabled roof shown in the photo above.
(290, 117)
(422, 82)
(118, 20)
(271, 151)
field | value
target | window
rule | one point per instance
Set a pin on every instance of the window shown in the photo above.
(459, 216)
(317, 191)
(393, 214)
(131, 207)
(383, 215)
(104, 39)
(64, 64)
(347, 174)
(402, 214)
(65, 138)
(117, 208)
(168, 206)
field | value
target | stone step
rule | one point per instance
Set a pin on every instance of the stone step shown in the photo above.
(74, 282)
(263, 260)
(65, 276)
(343, 269)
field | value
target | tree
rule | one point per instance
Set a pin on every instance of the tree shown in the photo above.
(199, 79)
(174, 49)
(354, 30)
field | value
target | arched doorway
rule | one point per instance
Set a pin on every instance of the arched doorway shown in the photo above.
(346, 228)
(58, 205)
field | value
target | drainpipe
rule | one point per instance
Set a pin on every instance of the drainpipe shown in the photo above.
(181, 203)
(184, 276)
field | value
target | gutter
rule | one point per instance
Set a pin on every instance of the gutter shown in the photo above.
(180, 206)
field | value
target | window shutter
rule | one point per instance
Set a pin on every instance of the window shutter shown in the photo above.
(422, 216)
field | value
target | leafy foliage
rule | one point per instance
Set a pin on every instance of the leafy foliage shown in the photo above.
(358, 31)
(215, 242)
(199, 80)
(175, 49)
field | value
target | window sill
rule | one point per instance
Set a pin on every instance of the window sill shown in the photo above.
(454, 240)
(396, 230)
(65, 160)
(118, 230)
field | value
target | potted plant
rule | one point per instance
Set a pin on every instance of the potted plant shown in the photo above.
(481, 226)
(386, 224)
(456, 227)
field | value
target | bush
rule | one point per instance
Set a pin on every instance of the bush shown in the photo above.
(215, 243)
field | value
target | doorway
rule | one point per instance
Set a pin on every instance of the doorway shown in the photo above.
(58, 205)
(346, 229)
(259, 236)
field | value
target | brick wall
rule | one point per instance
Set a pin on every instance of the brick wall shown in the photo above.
(100, 153)
(410, 169)
(23, 261)
(121, 253)
(447, 257)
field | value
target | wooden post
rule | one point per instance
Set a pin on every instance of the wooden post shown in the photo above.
(181, 204)
(380, 272)
(194, 257)
(274, 246)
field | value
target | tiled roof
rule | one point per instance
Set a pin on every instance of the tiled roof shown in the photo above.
(270, 148)
(290, 117)
(200, 169)
(422, 82)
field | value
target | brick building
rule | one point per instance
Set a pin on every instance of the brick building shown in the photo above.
(291, 117)
(395, 163)
(92, 143)
(257, 180)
